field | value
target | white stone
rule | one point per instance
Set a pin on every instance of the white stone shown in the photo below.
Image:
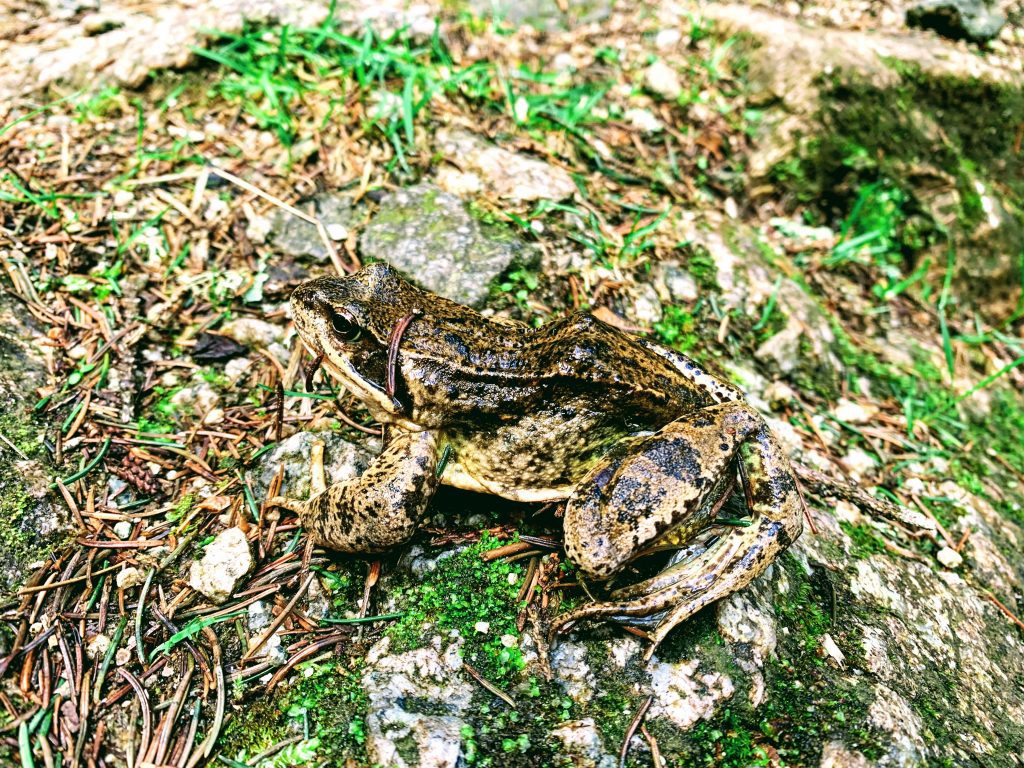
(123, 529)
(667, 38)
(832, 650)
(225, 561)
(949, 558)
(199, 398)
(660, 78)
(914, 486)
(507, 174)
(482, 627)
(97, 647)
(252, 332)
(235, 367)
(858, 463)
(129, 577)
(643, 120)
(850, 412)
(214, 416)
(337, 231)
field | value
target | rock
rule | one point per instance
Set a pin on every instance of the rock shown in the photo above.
(661, 79)
(835, 754)
(582, 740)
(30, 522)
(198, 398)
(342, 461)
(126, 44)
(976, 20)
(684, 693)
(674, 283)
(858, 463)
(569, 661)
(430, 236)
(225, 561)
(643, 120)
(543, 14)
(298, 238)
(393, 683)
(850, 412)
(949, 558)
(640, 304)
(253, 332)
(505, 174)
(824, 89)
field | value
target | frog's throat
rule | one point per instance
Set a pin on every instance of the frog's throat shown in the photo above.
(383, 407)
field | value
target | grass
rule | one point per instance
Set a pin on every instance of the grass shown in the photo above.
(396, 82)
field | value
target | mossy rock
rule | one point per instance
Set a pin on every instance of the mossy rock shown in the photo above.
(30, 523)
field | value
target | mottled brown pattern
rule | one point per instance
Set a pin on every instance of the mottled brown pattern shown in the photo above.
(642, 441)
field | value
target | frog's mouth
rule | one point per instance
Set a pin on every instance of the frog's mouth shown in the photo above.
(384, 408)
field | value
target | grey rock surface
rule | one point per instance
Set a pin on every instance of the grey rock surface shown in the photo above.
(342, 461)
(31, 520)
(504, 173)
(298, 238)
(393, 682)
(431, 236)
(543, 14)
(974, 20)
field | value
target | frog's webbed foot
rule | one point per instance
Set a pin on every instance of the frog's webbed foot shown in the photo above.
(729, 557)
(379, 509)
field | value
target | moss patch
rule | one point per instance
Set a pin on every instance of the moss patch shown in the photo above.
(328, 707)
(476, 598)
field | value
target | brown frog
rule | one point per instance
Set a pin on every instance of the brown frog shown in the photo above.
(642, 444)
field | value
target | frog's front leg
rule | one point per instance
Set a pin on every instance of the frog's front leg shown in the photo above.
(381, 508)
(667, 491)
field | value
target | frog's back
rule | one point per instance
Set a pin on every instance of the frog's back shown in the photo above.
(545, 414)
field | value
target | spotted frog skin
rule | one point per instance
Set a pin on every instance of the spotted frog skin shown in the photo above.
(642, 444)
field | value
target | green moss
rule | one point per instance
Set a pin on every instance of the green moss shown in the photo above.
(465, 593)
(497, 736)
(866, 540)
(329, 706)
(872, 137)
(20, 542)
(677, 328)
(701, 265)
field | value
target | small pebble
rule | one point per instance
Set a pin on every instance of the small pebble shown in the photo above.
(949, 558)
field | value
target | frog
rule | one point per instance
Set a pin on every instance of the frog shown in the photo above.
(641, 444)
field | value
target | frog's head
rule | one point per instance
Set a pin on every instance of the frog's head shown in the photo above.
(348, 321)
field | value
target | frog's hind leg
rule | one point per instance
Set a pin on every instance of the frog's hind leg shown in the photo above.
(729, 562)
(777, 509)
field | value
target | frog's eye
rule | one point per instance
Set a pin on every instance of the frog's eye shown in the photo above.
(347, 331)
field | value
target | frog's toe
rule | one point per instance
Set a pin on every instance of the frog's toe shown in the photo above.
(282, 502)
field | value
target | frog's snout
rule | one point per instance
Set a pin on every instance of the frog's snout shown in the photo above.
(308, 299)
